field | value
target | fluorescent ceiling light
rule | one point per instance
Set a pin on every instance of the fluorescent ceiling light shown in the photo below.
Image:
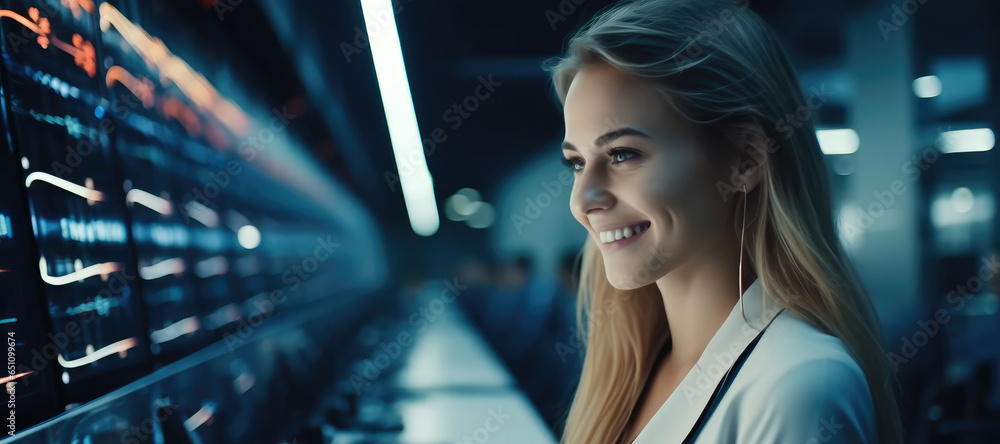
(966, 141)
(927, 86)
(414, 177)
(838, 141)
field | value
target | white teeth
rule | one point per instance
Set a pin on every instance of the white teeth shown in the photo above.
(619, 234)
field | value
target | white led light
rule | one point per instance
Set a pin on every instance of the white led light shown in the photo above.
(838, 141)
(927, 86)
(967, 140)
(248, 237)
(962, 200)
(414, 177)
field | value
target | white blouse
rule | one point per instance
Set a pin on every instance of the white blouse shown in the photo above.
(797, 385)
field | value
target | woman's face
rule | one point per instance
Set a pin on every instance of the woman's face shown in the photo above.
(646, 186)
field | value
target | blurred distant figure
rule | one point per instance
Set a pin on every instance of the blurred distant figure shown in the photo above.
(508, 297)
(477, 275)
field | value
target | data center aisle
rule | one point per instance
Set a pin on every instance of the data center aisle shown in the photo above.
(449, 387)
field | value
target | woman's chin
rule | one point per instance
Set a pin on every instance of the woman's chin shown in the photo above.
(625, 282)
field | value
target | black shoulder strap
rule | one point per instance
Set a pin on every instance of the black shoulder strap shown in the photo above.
(723, 386)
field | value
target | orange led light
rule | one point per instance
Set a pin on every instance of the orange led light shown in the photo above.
(141, 88)
(176, 70)
(76, 6)
(11, 378)
(82, 51)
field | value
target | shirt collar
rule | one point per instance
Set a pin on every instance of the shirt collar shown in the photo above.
(681, 411)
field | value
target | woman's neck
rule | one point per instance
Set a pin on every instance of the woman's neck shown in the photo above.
(698, 297)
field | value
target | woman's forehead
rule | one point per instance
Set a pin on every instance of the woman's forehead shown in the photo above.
(604, 97)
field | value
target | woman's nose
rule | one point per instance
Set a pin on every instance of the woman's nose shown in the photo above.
(593, 194)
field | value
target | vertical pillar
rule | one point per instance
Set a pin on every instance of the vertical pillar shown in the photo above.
(879, 60)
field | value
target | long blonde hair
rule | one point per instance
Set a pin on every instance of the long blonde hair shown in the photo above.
(723, 68)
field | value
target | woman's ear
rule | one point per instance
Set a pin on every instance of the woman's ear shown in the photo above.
(754, 147)
(753, 170)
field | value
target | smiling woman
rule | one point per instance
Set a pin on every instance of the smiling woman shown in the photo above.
(750, 325)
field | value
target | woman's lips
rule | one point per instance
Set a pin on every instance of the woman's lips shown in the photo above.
(618, 233)
(614, 239)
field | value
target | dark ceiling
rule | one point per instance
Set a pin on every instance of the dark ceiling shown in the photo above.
(449, 44)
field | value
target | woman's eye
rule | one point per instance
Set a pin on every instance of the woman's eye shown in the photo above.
(574, 164)
(620, 155)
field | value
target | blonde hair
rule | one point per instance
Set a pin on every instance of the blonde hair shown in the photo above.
(723, 68)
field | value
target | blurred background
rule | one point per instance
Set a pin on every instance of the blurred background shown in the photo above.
(245, 221)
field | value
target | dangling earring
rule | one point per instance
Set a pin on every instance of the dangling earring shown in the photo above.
(742, 233)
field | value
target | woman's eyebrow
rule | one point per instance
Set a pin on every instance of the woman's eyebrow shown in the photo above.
(610, 136)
